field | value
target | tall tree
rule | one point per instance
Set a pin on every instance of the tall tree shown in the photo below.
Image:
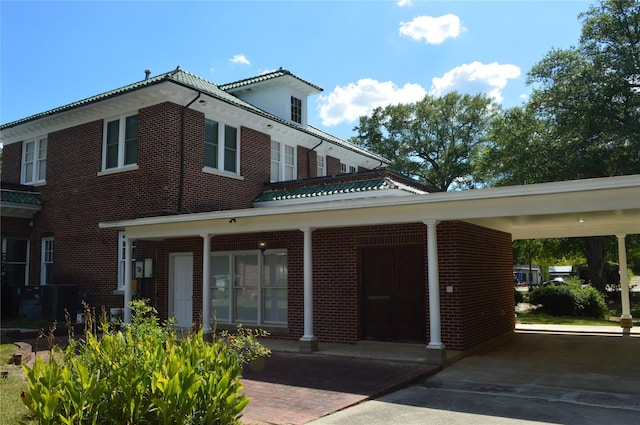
(583, 119)
(591, 93)
(434, 140)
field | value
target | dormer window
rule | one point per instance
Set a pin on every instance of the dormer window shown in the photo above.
(296, 110)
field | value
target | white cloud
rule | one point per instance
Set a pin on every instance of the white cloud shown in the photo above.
(476, 77)
(240, 58)
(432, 30)
(403, 3)
(347, 104)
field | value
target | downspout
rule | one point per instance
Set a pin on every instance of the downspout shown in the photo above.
(181, 177)
(309, 159)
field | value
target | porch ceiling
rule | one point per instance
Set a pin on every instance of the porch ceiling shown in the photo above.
(588, 207)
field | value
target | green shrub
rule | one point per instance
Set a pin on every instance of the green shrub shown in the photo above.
(569, 300)
(142, 374)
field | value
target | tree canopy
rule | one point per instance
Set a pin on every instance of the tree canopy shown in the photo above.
(434, 140)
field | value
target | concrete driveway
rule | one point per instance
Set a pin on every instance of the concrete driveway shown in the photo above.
(534, 378)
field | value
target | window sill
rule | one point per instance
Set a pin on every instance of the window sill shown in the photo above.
(118, 292)
(280, 329)
(118, 170)
(220, 173)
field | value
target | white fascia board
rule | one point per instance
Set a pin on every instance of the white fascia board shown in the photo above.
(576, 197)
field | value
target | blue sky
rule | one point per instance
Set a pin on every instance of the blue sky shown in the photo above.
(362, 53)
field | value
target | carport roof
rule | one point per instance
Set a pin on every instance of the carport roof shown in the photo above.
(589, 207)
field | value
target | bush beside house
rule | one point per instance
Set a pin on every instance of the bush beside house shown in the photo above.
(142, 375)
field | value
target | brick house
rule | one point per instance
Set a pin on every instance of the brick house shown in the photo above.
(143, 190)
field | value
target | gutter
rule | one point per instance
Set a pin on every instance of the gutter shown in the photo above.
(181, 176)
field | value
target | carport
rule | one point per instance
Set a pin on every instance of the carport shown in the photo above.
(589, 207)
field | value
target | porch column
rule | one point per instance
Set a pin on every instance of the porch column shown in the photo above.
(308, 342)
(206, 283)
(436, 352)
(626, 321)
(128, 276)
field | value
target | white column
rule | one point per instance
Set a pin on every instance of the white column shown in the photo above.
(434, 285)
(128, 276)
(624, 283)
(206, 283)
(308, 338)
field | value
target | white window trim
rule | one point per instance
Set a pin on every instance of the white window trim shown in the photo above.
(121, 259)
(219, 170)
(44, 260)
(34, 178)
(282, 162)
(260, 287)
(121, 166)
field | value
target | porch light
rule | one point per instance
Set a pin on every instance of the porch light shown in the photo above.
(262, 246)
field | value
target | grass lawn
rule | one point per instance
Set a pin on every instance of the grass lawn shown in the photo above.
(545, 319)
(11, 406)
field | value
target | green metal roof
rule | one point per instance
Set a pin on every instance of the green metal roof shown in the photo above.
(18, 197)
(194, 82)
(265, 77)
(329, 189)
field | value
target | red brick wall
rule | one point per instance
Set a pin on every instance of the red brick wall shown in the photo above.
(76, 198)
(477, 263)
(333, 166)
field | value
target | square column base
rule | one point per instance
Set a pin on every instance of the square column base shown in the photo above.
(437, 355)
(308, 345)
(626, 324)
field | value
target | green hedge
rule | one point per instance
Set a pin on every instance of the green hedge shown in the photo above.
(569, 300)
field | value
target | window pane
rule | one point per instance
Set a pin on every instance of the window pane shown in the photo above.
(211, 143)
(275, 161)
(16, 250)
(113, 129)
(289, 163)
(220, 288)
(28, 172)
(275, 305)
(230, 148)
(131, 140)
(274, 270)
(246, 288)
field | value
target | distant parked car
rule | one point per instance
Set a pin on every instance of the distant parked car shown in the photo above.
(555, 281)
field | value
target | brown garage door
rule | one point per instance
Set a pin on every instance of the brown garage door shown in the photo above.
(393, 288)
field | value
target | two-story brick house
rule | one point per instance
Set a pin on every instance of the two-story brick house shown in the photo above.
(143, 190)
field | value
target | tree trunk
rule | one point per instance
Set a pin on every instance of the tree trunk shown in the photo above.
(594, 252)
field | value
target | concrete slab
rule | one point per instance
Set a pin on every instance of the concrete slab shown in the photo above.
(534, 378)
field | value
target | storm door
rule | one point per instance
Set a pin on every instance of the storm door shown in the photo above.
(393, 288)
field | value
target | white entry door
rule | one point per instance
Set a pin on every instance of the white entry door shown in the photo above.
(181, 283)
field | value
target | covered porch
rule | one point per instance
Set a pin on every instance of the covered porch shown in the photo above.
(593, 207)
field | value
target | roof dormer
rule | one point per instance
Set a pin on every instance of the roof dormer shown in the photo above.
(279, 93)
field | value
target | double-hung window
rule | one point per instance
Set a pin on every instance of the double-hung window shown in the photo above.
(321, 168)
(250, 287)
(296, 110)
(283, 162)
(46, 262)
(221, 156)
(120, 148)
(34, 161)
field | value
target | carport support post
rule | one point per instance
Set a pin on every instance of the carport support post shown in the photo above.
(626, 321)
(308, 342)
(128, 275)
(436, 352)
(206, 284)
